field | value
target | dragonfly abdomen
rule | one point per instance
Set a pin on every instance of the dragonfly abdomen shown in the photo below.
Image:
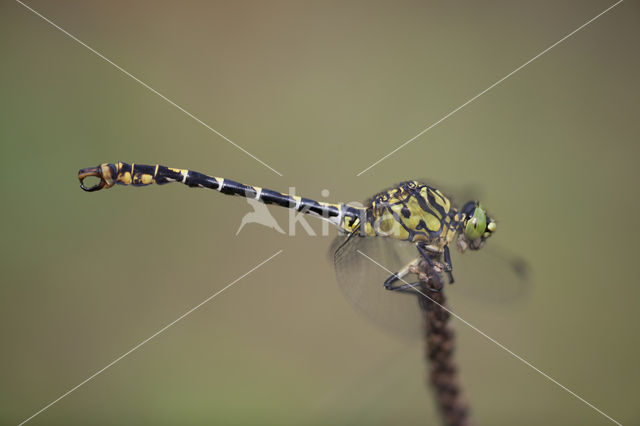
(141, 175)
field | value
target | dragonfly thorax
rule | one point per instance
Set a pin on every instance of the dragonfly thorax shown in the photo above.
(414, 212)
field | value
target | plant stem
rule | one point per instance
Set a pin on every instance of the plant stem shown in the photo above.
(440, 347)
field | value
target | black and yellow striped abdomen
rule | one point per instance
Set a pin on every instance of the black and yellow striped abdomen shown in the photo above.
(141, 175)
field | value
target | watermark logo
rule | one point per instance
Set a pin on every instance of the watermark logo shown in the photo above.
(261, 215)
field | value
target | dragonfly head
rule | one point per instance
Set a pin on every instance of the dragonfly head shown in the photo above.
(477, 226)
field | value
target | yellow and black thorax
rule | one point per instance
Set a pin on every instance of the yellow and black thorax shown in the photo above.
(415, 212)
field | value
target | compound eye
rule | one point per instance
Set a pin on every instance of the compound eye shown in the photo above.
(469, 208)
(477, 224)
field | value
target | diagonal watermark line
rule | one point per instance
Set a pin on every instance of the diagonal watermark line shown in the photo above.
(147, 339)
(500, 345)
(490, 87)
(128, 74)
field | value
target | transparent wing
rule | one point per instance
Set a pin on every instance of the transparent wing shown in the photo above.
(361, 280)
(487, 275)
(491, 274)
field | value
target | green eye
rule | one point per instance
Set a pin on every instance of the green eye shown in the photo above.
(477, 224)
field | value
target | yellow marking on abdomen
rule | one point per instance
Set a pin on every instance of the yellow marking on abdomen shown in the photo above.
(298, 201)
(220, 181)
(125, 178)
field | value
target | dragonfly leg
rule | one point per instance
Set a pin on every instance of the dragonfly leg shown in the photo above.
(398, 276)
(447, 262)
(393, 278)
(406, 287)
(428, 252)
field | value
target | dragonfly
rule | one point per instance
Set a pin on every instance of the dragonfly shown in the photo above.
(410, 221)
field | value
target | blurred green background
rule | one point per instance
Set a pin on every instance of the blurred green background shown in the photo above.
(319, 91)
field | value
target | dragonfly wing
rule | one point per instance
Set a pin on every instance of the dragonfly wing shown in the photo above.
(489, 275)
(361, 280)
(492, 275)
